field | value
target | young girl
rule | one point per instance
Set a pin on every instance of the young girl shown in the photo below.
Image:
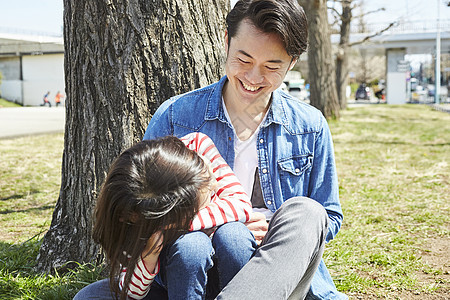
(157, 191)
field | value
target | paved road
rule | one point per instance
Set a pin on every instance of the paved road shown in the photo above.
(25, 121)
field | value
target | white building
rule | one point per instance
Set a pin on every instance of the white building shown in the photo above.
(31, 66)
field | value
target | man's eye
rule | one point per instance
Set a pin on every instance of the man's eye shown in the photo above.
(243, 61)
(272, 68)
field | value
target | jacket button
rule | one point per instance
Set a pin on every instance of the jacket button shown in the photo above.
(264, 171)
(297, 170)
(269, 202)
(229, 138)
(261, 141)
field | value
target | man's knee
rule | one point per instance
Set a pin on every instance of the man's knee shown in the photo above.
(305, 207)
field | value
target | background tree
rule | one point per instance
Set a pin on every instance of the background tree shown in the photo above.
(343, 18)
(342, 53)
(322, 76)
(122, 59)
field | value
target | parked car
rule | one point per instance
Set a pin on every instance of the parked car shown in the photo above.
(297, 89)
(419, 94)
(431, 89)
(363, 92)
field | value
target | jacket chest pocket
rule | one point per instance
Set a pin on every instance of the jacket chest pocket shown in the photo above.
(294, 175)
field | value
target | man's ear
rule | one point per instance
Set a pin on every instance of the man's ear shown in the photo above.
(293, 62)
(226, 42)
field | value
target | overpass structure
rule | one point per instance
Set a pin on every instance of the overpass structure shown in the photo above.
(397, 42)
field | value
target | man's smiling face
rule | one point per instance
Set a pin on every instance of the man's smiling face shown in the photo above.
(256, 65)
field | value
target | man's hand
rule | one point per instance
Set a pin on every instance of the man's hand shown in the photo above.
(258, 226)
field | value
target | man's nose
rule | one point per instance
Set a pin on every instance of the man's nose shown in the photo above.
(254, 75)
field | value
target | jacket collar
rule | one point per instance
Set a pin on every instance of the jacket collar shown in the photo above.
(277, 110)
(215, 110)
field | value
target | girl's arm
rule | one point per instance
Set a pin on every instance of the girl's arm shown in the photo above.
(141, 279)
(229, 203)
(147, 267)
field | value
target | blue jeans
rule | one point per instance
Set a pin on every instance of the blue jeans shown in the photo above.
(187, 265)
(194, 266)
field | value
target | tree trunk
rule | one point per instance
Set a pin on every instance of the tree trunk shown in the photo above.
(123, 58)
(342, 55)
(364, 72)
(322, 76)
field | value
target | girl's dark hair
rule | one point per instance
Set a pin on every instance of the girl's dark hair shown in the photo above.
(152, 186)
(286, 18)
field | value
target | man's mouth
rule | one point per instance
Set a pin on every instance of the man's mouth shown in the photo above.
(250, 87)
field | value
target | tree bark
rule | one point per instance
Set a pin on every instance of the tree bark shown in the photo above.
(342, 55)
(123, 58)
(322, 76)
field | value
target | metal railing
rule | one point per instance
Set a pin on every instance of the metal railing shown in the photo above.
(404, 27)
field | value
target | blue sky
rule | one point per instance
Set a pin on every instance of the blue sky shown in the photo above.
(35, 15)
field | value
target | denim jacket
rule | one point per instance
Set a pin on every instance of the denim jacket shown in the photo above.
(295, 153)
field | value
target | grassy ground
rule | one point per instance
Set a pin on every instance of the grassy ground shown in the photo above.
(393, 164)
(30, 171)
(5, 103)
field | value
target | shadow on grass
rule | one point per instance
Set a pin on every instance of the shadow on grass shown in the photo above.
(20, 196)
(369, 141)
(356, 142)
(12, 197)
(31, 209)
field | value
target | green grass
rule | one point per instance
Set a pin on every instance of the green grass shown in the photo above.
(6, 103)
(30, 169)
(30, 176)
(393, 166)
(19, 281)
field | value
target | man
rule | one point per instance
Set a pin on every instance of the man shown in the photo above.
(280, 149)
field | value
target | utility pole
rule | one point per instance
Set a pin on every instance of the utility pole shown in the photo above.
(437, 78)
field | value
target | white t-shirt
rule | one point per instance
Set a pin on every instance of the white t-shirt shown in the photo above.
(246, 161)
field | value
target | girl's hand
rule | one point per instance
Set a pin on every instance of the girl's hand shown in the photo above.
(258, 226)
(150, 259)
(155, 241)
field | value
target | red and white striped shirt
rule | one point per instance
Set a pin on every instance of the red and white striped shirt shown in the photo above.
(228, 203)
